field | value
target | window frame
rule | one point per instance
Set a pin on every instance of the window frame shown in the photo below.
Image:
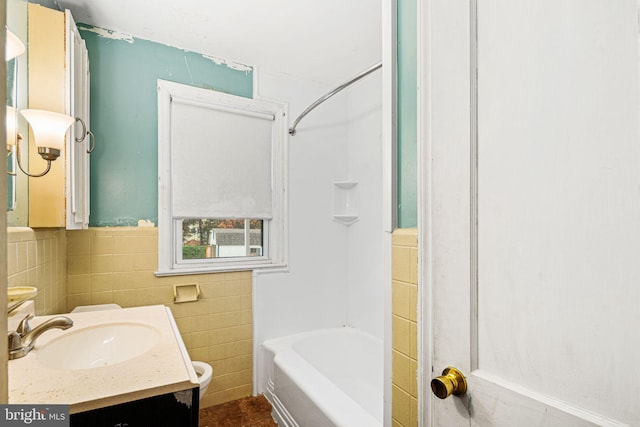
(275, 230)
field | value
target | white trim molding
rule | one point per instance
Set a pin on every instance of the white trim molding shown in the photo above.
(274, 227)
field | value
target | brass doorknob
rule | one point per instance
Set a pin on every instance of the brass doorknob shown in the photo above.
(450, 382)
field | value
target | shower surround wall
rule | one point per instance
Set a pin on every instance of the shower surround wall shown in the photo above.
(365, 245)
(312, 293)
(335, 271)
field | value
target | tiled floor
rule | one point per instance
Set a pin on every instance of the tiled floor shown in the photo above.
(246, 412)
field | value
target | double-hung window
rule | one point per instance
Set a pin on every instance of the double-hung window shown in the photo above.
(221, 181)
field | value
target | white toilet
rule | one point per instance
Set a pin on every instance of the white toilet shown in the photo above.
(205, 373)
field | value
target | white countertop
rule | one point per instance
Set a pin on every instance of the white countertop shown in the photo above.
(164, 369)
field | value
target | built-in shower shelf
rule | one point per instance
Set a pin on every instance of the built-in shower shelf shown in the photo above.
(345, 184)
(346, 219)
(345, 202)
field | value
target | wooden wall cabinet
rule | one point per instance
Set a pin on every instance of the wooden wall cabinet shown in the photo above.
(59, 82)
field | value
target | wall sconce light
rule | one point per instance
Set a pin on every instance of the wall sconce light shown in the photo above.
(49, 130)
(13, 46)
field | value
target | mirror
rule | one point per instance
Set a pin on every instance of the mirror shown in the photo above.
(17, 97)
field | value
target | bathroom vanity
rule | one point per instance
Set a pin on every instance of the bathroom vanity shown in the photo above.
(113, 368)
(178, 409)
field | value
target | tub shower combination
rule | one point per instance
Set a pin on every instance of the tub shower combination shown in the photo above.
(330, 377)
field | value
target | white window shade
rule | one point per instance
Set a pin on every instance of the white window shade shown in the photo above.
(220, 161)
(220, 156)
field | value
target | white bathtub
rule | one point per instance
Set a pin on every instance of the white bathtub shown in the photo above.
(329, 377)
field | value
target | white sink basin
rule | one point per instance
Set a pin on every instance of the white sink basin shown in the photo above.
(98, 346)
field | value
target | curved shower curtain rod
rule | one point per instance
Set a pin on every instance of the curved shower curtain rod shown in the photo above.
(292, 129)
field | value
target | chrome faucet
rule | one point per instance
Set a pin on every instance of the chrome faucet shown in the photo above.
(22, 340)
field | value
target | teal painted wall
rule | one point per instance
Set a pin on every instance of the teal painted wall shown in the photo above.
(124, 110)
(407, 114)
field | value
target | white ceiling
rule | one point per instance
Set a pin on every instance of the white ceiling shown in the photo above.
(324, 40)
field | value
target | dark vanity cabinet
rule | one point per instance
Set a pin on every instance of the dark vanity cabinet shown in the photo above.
(179, 409)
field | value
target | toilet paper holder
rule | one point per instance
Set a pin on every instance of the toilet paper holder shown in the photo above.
(186, 293)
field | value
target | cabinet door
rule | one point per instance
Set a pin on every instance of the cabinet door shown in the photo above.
(88, 143)
(77, 106)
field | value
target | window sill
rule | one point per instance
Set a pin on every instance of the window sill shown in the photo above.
(220, 269)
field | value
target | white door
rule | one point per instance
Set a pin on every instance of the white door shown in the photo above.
(531, 211)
